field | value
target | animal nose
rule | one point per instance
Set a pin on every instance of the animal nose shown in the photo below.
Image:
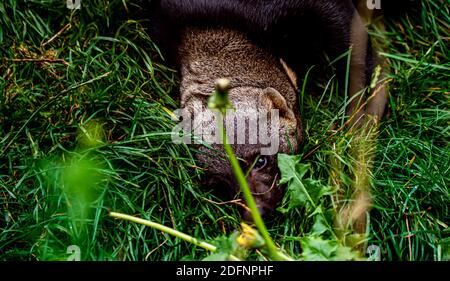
(247, 215)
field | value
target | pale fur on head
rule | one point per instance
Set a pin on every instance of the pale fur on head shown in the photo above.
(259, 83)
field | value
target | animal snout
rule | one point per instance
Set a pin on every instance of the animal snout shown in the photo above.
(263, 211)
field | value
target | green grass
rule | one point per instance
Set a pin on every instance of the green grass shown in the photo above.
(86, 130)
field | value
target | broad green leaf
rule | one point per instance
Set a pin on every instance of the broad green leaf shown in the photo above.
(316, 189)
(291, 173)
(290, 168)
(226, 246)
(320, 225)
(344, 253)
(301, 192)
(318, 249)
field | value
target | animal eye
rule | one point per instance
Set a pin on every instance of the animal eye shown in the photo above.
(260, 163)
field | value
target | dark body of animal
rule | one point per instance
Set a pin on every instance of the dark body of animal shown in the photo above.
(260, 46)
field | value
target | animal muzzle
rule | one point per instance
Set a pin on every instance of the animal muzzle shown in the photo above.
(263, 211)
(266, 202)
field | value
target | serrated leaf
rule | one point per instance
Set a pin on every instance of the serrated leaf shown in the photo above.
(344, 253)
(291, 173)
(318, 249)
(320, 225)
(289, 167)
(316, 189)
(226, 243)
(226, 246)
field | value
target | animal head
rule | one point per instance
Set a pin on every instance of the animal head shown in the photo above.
(260, 125)
(264, 119)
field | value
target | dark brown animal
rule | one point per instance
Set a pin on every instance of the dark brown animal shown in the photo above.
(260, 46)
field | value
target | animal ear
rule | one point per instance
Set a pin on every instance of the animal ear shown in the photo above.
(189, 98)
(274, 100)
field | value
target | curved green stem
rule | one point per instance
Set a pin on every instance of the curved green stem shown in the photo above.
(170, 231)
(274, 253)
(220, 101)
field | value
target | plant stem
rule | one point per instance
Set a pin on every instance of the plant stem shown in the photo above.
(274, 253)
(170, 231)
(165, 229)
(221, 102)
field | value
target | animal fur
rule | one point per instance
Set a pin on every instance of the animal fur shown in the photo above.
(261, 46)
